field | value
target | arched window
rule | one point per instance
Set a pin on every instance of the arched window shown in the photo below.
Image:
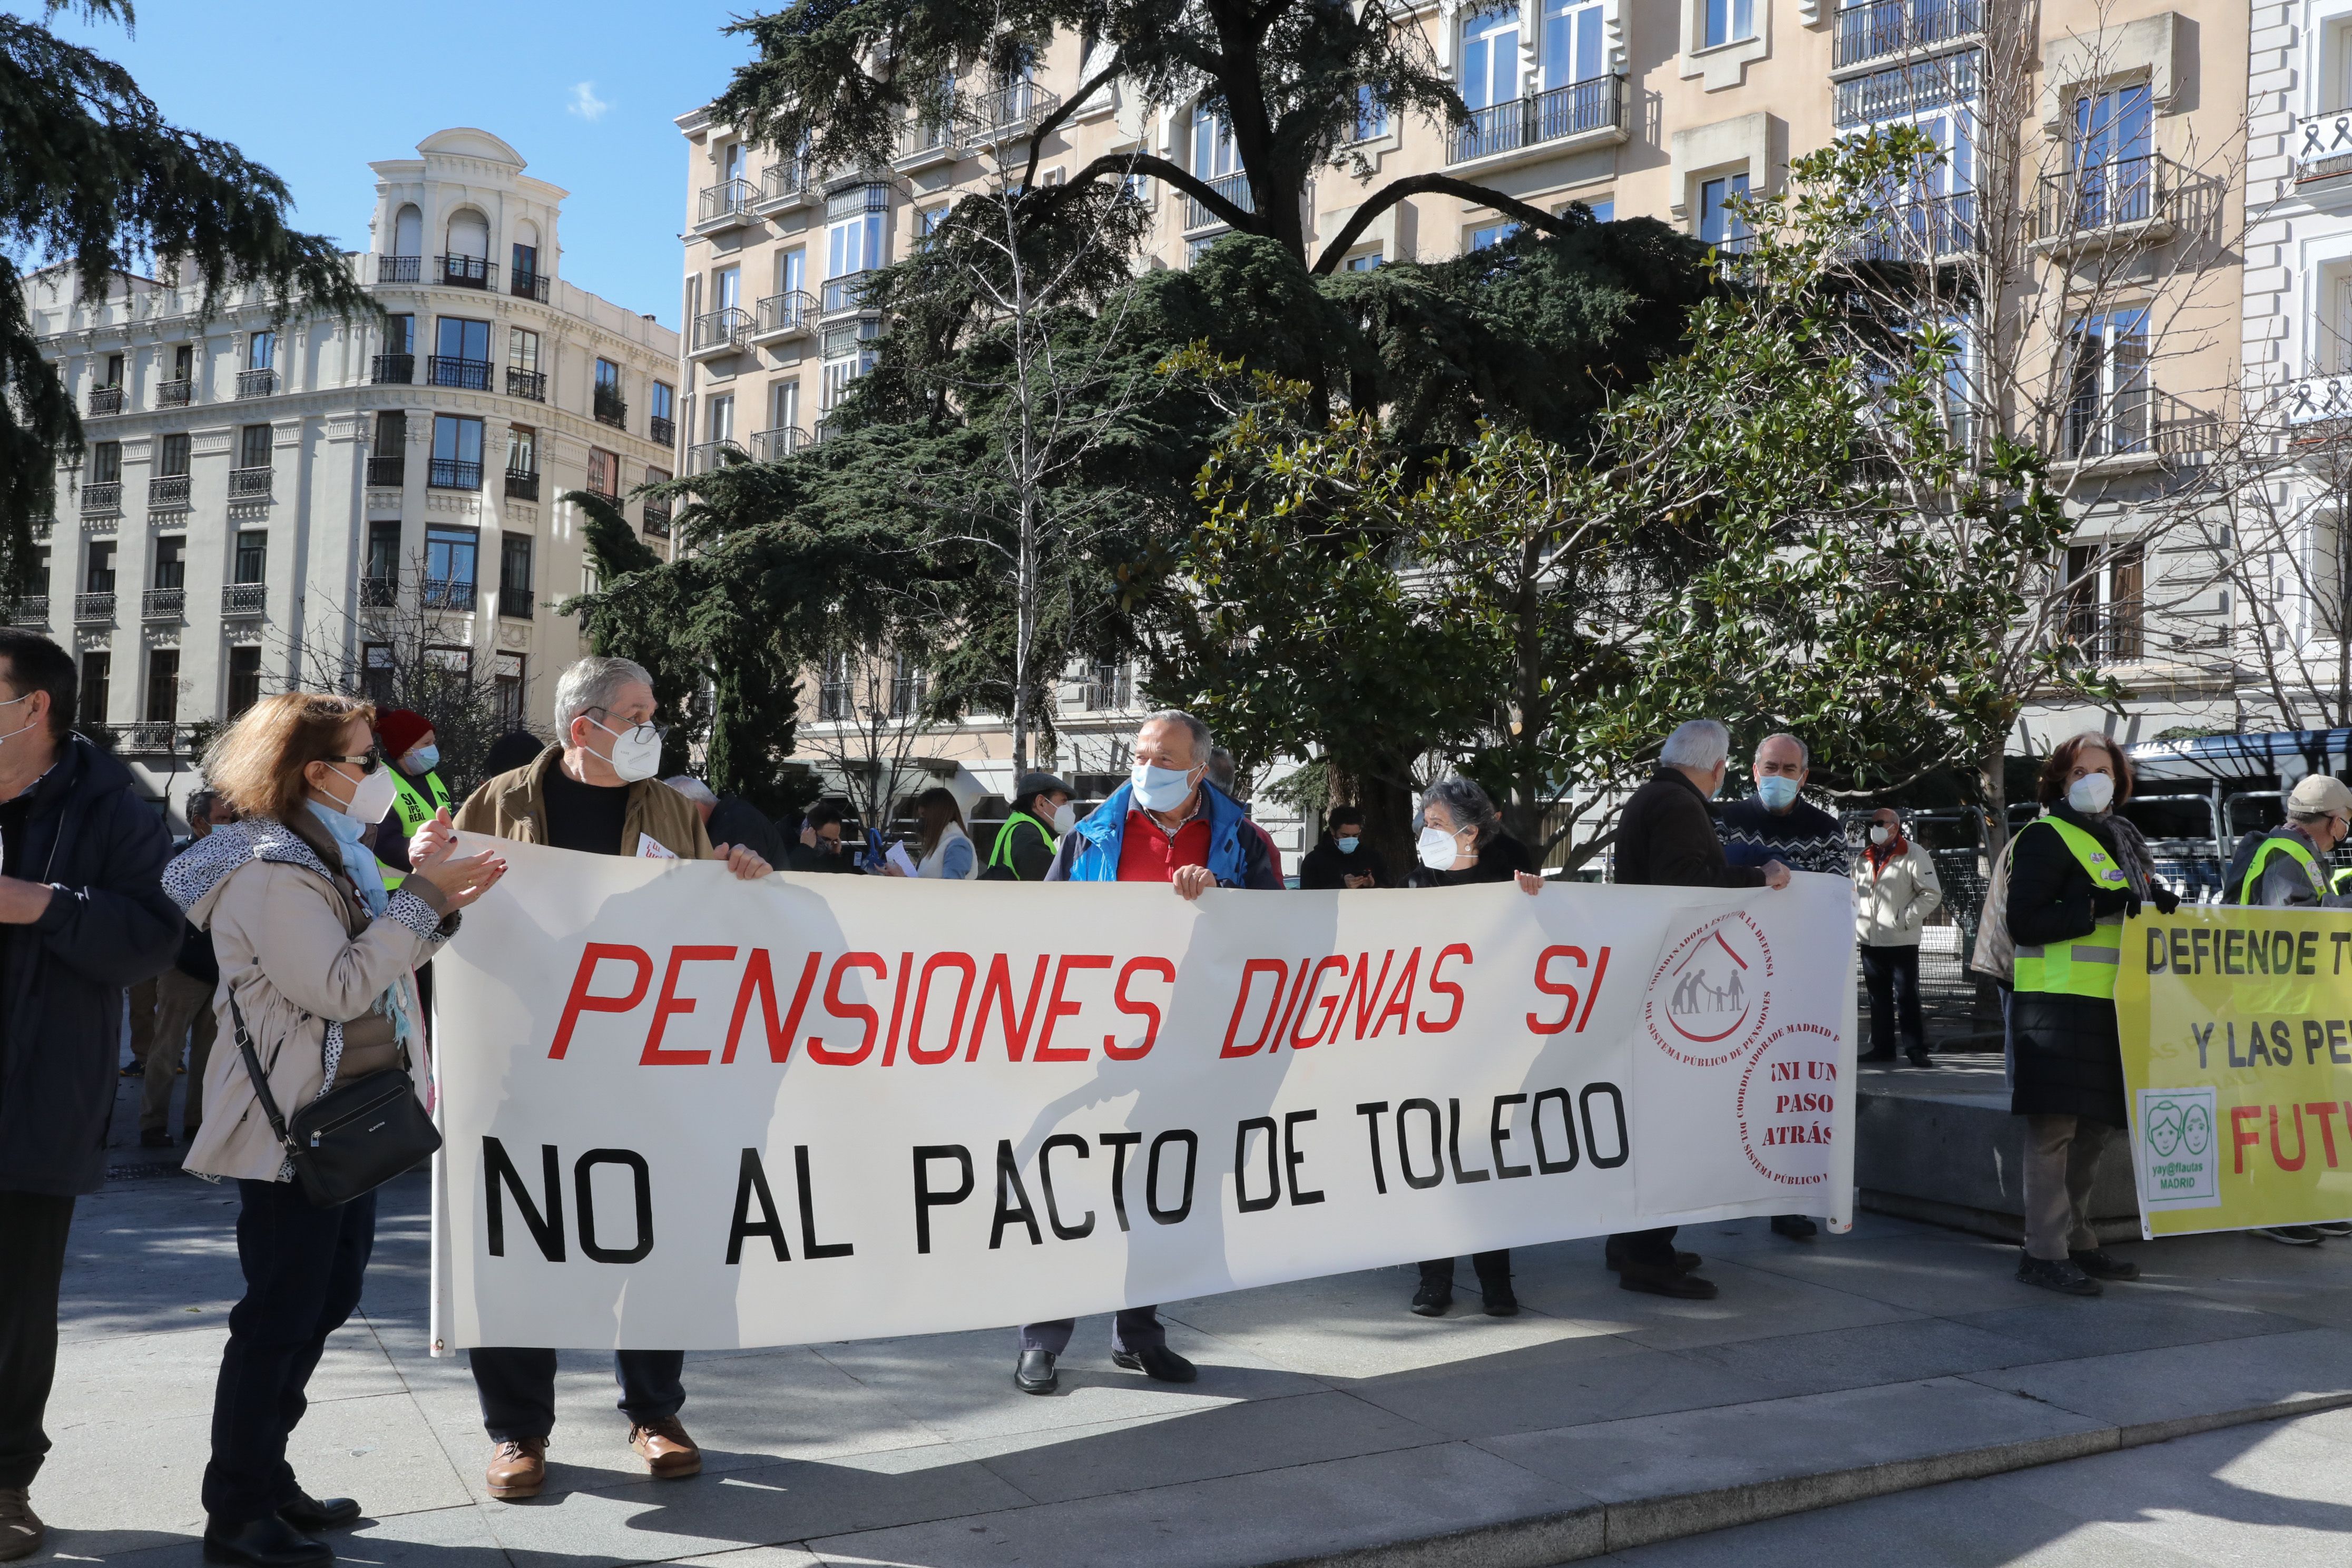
(408, 232)
(469, 234)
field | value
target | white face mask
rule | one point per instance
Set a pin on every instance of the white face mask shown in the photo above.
(370, 799)
(1066, 817)
(12, 735)
(2091, 793)
(1159, 789)
(1437, 849)
(637, 751)
(1879, 835)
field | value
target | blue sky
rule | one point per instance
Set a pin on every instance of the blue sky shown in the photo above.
(584, 91)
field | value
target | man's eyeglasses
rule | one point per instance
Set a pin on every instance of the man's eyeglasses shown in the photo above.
(367, 762)
(644, 734)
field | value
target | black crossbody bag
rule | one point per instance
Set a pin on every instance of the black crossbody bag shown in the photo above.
(352, 1139)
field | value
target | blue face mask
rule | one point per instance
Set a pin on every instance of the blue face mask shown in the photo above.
(1777, 793)
(1160, 789)
(423, 758)
(1348, 844)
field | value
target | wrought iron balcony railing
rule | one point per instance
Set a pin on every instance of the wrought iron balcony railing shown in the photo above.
(94, 609)
(1597, 103)
(32, 610)
(727, 201)
(449, 593)
(1919, 228)
(1885, 29)
(773, 445)
(379, 593)
(2107, 634)
(1012, 108)
(2120, 201)
(249, 482)
(661, 432)
(163, 604)
(527, 383)
(167, 492)
(466, 272)
(104, 400)
(522, 484)
(785, 182)
(516, 605)
(454, 474)
(845, 294)
(388, 471)
(610, 408)
(393, 370)
(658, 518)
(175, 394)
(243, 600)
(255, 382)
(398, 269)
(448, 370)
(722, 329)
(779, 315)
(527, 286)
(705, 455)
(99, 499)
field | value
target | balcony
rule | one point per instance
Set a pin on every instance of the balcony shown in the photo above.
(104, 400)
(709, 456)
(527, 383)
(2103, 635)
(94, 609)
(609, 407)
(242, 601)
(1010, 111)
(175, 394)
(1919, 228)
(102, 499)
(2133, 428)
(924, 145)
(522, 484)
(515, 605)
(32, 610)
(2127, 201)
(1234, 188)
(781, 316)
(774, 446)
(2319, 399)
(1888, 28)
(398, 269)
(454, 474)
(1584, 112)
(392, 370)
(784, 186)
(163, 604)
(527, 286)
(149, 738)
(845, 295)
(167, 492)
(449, 593)
(255, 382)
(465, 271)
(249, 483)
(720, 332)
(658, 518)
(661, 432)
(379, 593)
(725, 206)
(389, 471)
(447, 370)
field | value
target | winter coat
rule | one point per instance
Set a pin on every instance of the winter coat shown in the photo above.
(1237, 859)
(1891, 903)
(1666, 839)
(102, 850)
(2066, 1058)
(735, 820)
(953, 859)
(302, 958)
(514, 805)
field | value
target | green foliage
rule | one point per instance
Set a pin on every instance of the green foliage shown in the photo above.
(95, 180)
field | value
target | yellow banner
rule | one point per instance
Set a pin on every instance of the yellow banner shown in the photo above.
(2237, 1043)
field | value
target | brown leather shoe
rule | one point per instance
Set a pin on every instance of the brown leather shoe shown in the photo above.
(519, 1469)
(20, 1527)
(666, 1448)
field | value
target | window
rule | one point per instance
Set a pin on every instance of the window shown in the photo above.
(1490, 72)
(854, 234)
(2107, 402)
(604, 472)
(449, 567)
(1604, 210)
(506, 690)
(784, 407)
(97, 570)
(253, 446)
(1728, 21)
(522, 449)
(400, 334)
(244, 678)
(849, 353)
(377, 674)
(722, 418)
(383, 563)
(162, 685)
(457, 452)
(1492, 235)
(184, 363)
(1368, 262)
(1212, 145)
(96, 670)
(170, 560)
(832, 694)
(522, 350)
(792, 269)
(1571, 42)
(526, 261)
(252, 564)
(113, 377)
(608, 377)
(608, 403)
(726, 287)
(662, 400)
(1371, 114)
(106, 462)
(1717, 225)
(732, 161)
(261, 351)
(927, 223)
(458, 342)
(514, 566)
(2106, 597)
(2115, 177)
(1107, 685)
(909, 686)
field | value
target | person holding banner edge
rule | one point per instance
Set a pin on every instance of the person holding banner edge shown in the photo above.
(2076, 873)
(594, 792)
(1167, 824)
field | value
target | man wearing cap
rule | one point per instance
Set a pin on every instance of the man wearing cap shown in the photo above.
(2286, 872)
(408, 742)
(1026, 843)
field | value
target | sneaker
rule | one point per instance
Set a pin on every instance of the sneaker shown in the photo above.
(2289, 1235)
(2101, 1264)
(668, 1453)
(1500, 1300)
(134, 1069)
(2337, 1228)
(20, 1527)
(2060, 1274)
(518, 1469)
(1653, 1280)
(1434, 1297)
(1614, 1256)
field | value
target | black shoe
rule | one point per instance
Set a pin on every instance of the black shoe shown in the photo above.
(265, 1543)
(134, 1069)
(1920, 1060)
(1613, 1255)
(2288, 1235)
(1157, 1363)
(307, 1513)
(1435, 1295)
(1035, 1373)
(1501, 1300)
(1795, 1226)
(2061, 1276)
(1876, 1057)
(1651, 1279)
(2100, 1264)
(155, 1138)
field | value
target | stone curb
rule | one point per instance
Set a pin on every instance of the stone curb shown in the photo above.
(1542, 1540)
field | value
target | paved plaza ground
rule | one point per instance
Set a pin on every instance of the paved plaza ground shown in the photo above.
(1327, 1423)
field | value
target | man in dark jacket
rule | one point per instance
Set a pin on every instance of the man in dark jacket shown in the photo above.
(1343, 859)
(82, 915)
(181, 998)
(1666, 839)
(1025, 846)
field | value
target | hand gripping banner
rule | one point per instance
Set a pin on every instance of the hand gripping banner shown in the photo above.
(687, 1113)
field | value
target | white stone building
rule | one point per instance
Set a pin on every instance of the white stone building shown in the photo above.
(252, 490)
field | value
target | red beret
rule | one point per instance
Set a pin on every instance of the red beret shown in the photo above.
(398, 729)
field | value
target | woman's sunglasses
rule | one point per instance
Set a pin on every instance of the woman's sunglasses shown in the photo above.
(367, 762)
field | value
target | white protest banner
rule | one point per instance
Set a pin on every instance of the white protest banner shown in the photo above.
(687, 1113)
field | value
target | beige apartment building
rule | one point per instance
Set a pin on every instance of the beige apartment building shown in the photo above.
(260, 497)
(2099, 158)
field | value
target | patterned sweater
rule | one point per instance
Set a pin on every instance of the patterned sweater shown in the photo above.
(1806, 838)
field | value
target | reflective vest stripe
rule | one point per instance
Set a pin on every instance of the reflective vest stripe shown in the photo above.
(1000, 853)
(2085, 966)
(415, 811)
(2262, 855)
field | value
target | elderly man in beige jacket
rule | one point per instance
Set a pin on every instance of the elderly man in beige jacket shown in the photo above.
(1895, 891)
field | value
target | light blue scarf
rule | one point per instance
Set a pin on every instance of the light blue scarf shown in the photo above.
(359, 864)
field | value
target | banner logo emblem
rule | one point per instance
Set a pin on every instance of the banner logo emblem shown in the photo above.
(1711, 993)
(2179, 1164)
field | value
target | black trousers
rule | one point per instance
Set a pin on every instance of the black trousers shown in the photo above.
(1492, 1268)
(1891, 976)
(1652, 1246)
(517, 1387)
(303, 1269)
(33, 1228)
(1133, 1330)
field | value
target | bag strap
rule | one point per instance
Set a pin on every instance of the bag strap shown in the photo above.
(260, 1079)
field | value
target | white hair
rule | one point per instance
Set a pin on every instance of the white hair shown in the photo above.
(1204, 743)
(590, 684)
(1699, 743)
(1804, 752)
(693, 788)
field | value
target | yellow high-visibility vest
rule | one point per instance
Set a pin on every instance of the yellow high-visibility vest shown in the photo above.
(2262, 852)
(415, 811)
(2087, 965)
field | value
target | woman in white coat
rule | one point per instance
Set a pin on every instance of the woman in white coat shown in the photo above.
(1895, 891)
